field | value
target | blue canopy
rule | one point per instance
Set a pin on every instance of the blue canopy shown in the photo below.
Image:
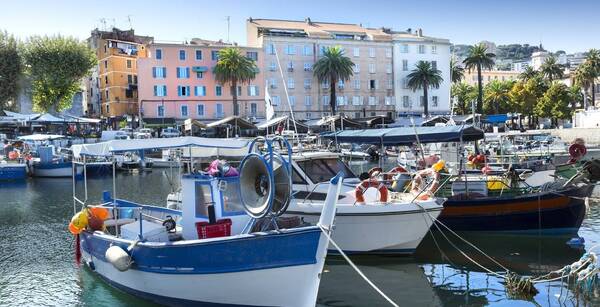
(496, 118)
(406, 135)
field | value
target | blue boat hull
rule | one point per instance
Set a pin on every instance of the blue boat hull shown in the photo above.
(13, 172)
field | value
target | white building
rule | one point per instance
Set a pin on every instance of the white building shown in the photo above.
(410, 48)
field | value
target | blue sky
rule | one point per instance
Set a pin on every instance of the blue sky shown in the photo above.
(560, 25)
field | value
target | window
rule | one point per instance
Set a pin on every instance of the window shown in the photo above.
(158, 54)
(200, 90)
(388, 68)
(200, 110)
(218, 90)
(159, 72)
(276, 100)
(252, 55)
(434, 101)
(307, 50)
(434, 65)
(388, 53)
(325, 84)
(405, 101)
(105, 48)
(341, 84)
(253, 109)
(292, 100)
(160, 111)
(290, 83)
(290, 66)
(371, 68)
(198, 55)
(199, 75)
(273, 83)
(356, 84)
(128, 63)
(372, 101)
(434, 49)
(214, 55)
(184, 111)
(404, 48)
(290, 49)
(325, 100)
(219, 110)
(270, 48)
(405, 65)
(307, 100)
(106, 80)
(160, 90)
(388, 100)
(307, 66)
(182, 55)
(272, 66)
(356, 100)
(183, 90)
(253, 90)
(107, 108)
(105, 63)
(322, 50)
(129, 79)
(390, 84)
(371, 52)
(239, 90)
(421, 49)
(356, 52)
(356, 68)
(183, 72)
(107, 97)
(342, 100)
(307, 83)
(373, 84)
(308, 115)
(405, 82)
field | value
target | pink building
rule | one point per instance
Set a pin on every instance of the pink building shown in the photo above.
(176, 82)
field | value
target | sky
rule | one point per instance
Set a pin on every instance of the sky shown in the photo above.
(571, 26)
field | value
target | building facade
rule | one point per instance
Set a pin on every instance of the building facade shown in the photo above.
(489, 75)
(176, 81)
(291, 49)
(112, 87)
(410, 48)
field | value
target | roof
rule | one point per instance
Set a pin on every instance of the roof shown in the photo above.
(406, 36)
(281, 119)
(407, 135)
(326, 121)
(319, 29)
(233, 121)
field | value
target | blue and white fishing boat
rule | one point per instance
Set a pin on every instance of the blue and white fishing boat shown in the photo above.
(49, 165)
(211, 252)
(12, 171)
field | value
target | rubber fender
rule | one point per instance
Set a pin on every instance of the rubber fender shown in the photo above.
(118, 257)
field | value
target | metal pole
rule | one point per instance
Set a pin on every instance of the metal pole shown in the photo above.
(84, 179)
(73, 177)
(286, 94)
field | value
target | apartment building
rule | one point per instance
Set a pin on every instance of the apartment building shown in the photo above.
(176, 82)
(489, 75)
(112, 87)
(291, 49)
(411, 47)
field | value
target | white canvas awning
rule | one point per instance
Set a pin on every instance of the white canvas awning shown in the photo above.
(49, 118)
(271, 122)
(40, 137)
(210, 147)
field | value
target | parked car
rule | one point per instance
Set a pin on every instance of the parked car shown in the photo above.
(170, 133)
(114, 135)
(143, 133)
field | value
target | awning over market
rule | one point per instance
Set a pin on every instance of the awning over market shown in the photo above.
(407, 135)
(234, 121)
(273, 123)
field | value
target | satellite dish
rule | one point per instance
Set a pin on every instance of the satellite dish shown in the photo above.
(256, 186)
(283, 185)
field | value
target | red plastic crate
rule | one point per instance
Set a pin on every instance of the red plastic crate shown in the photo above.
(222, 228)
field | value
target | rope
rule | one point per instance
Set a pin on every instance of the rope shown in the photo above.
(325, 232)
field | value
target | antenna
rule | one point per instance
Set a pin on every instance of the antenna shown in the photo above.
(114, 23)
(129, 20)
(103, 22)
(228, 18)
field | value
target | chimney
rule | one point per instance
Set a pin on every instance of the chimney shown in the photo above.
(419, 32)
(250, 19)
(409, 30)
(307, 20)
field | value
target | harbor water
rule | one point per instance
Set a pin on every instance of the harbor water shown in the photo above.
(37, 266)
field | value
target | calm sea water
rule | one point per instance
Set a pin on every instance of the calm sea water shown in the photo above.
(37, 265)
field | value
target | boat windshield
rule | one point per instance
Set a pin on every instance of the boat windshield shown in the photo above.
(320, 170)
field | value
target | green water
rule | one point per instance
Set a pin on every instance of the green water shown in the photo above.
(37, 265)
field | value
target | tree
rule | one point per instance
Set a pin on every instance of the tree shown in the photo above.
(555, 103)
(528, 73)
(333, 66)
(496, 97)
(10, 70)
(526, 94)
(56, 66)
(585, 76)
(551, 69)
(593, 60)
(479, 59)
(464, 95)
(457, 73)
(576, 96)
(234, 68)
(423, 77)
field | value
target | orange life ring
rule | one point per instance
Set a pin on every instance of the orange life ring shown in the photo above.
(418, 182)
(390, 175)
(370, 183)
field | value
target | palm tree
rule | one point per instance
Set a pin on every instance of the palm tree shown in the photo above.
(422, 77)
(585, 76)
(551, 69)
(528, 73)
(457, 73)
(234, 68)
(497, 96)
(333, 66)
(464, 95)
(593, 58)
(479, 59)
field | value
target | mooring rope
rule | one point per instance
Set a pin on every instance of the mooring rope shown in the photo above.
(325, 232)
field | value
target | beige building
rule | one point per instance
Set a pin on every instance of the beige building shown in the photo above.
(488, 75)
(295, 46)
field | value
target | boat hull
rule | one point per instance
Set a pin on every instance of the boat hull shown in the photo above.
(98, 168)
(56, 170)
(385, 232)
(13, 172)
(551, 212)
(257, 270)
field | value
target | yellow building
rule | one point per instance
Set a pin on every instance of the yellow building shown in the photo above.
(112, 88)
(488, 75)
